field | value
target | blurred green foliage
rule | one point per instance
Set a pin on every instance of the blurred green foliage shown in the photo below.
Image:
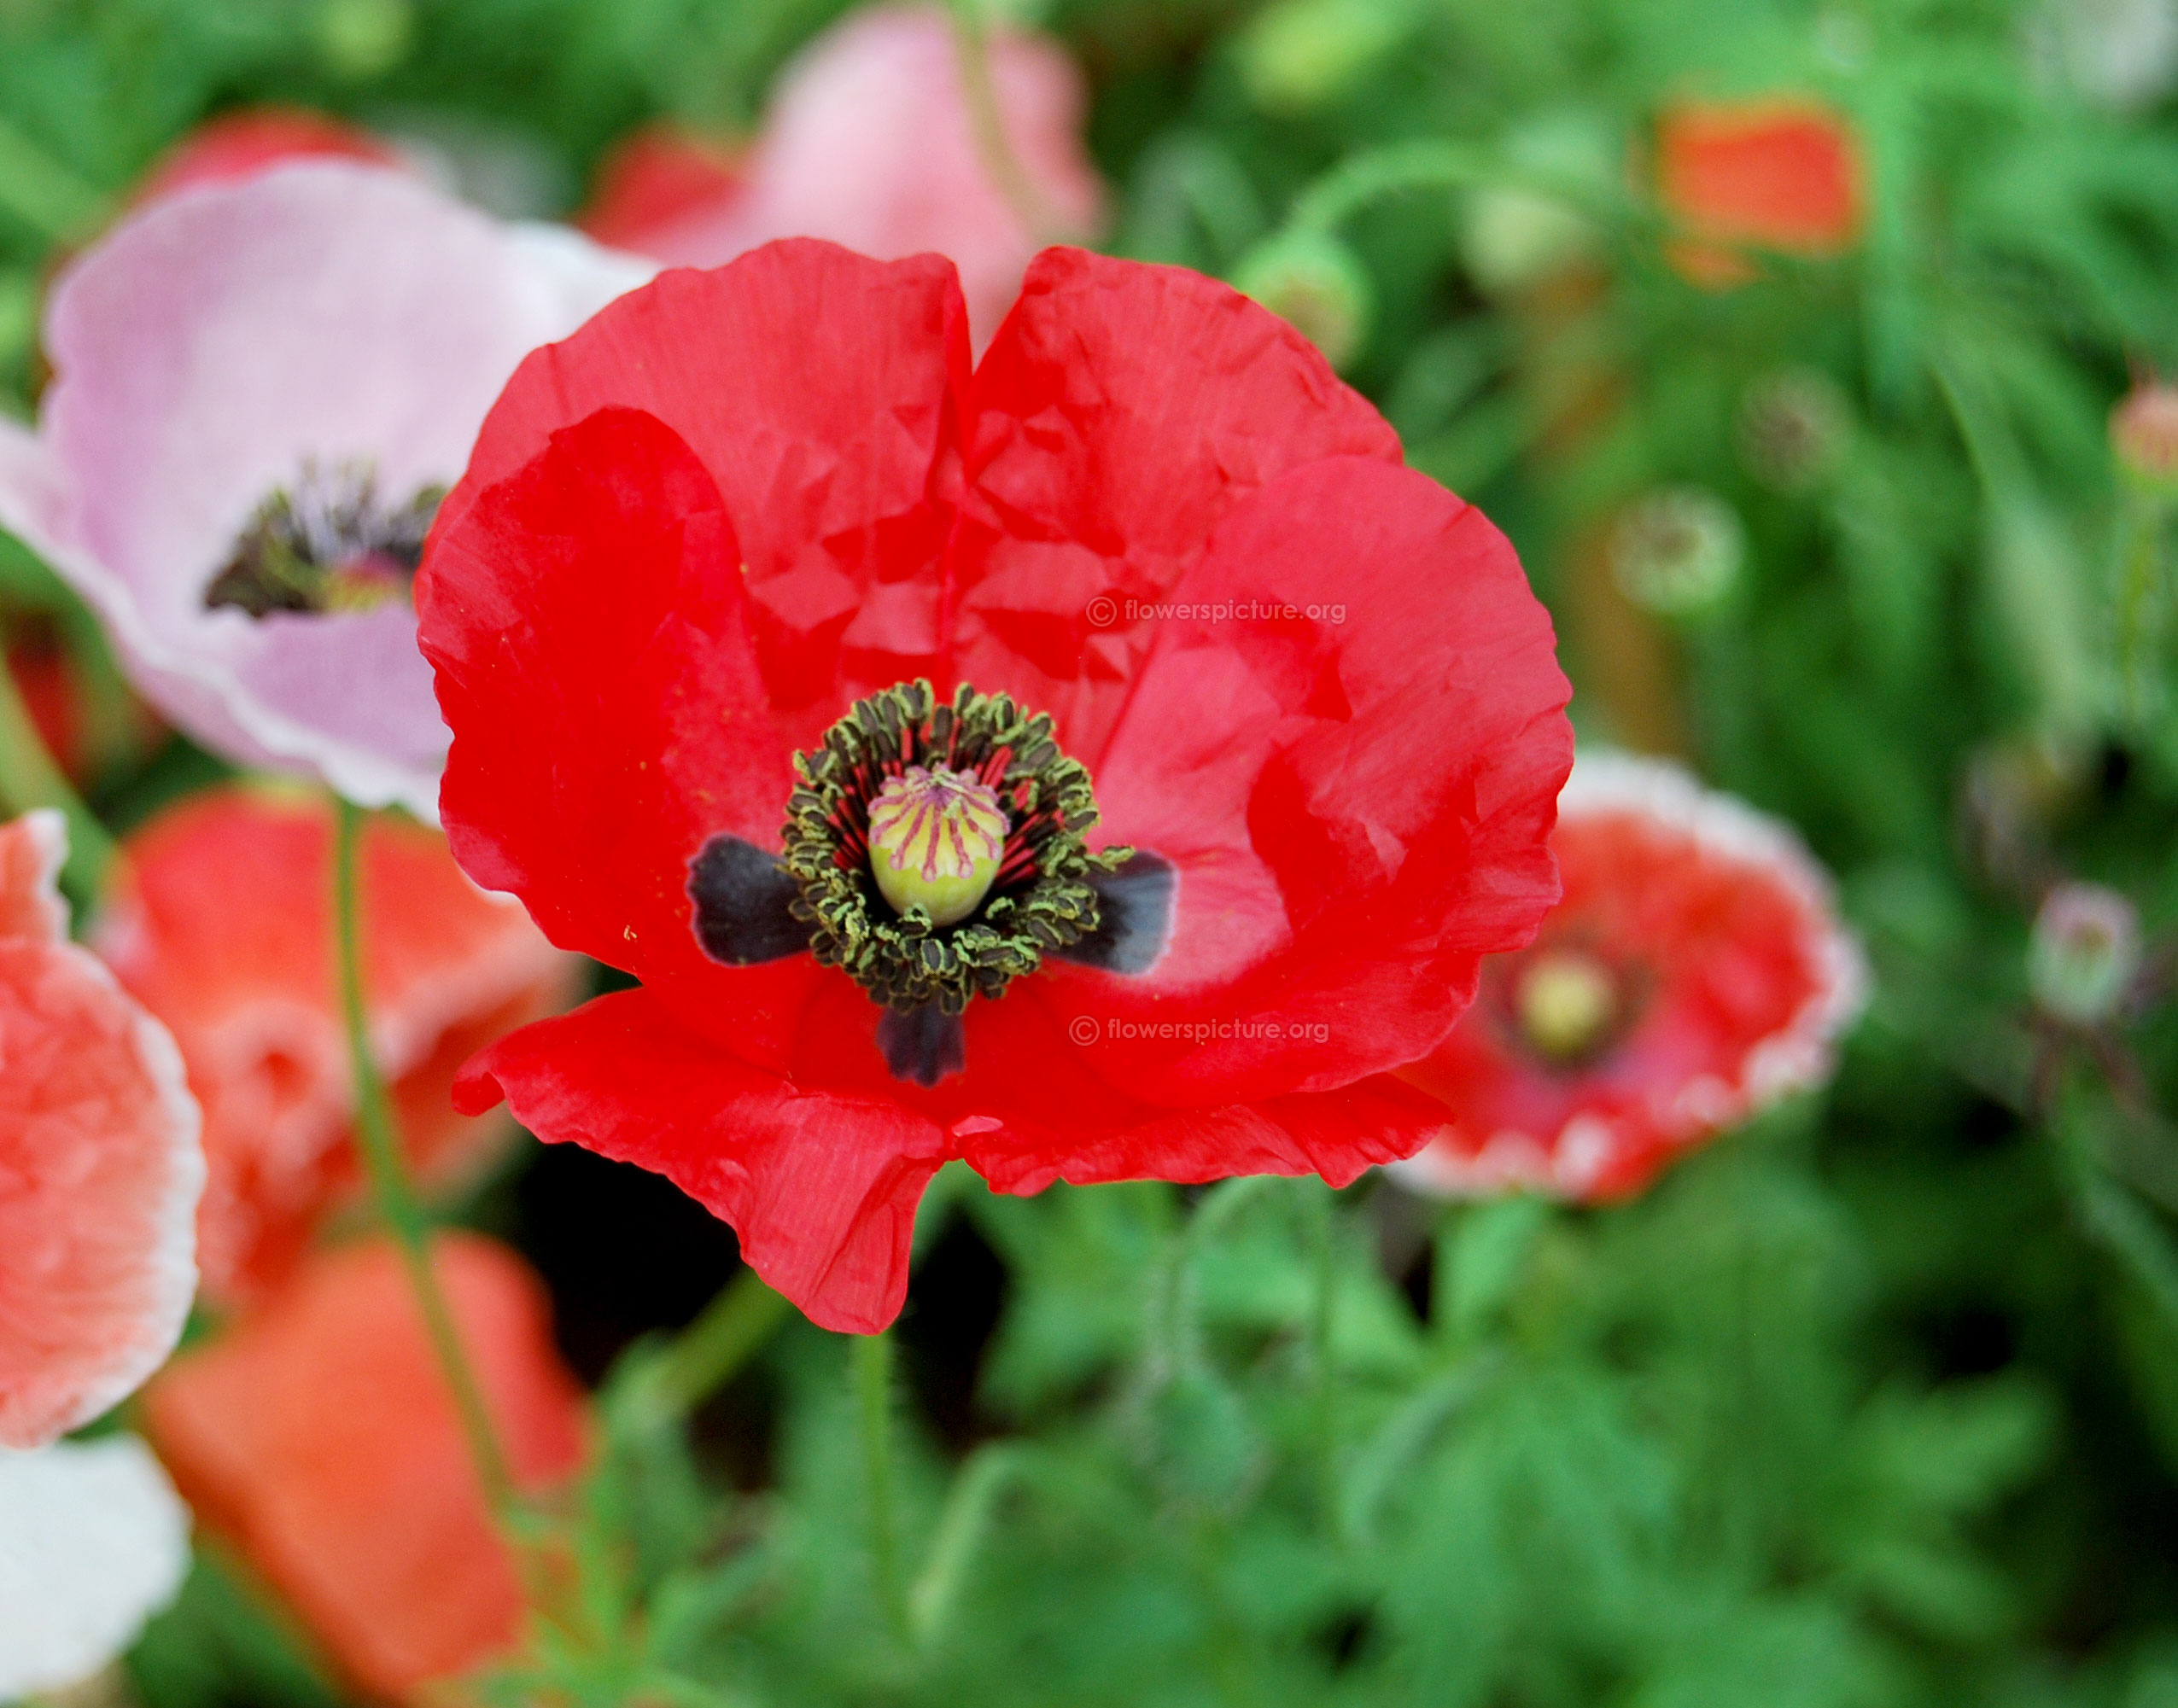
(1874, 1403)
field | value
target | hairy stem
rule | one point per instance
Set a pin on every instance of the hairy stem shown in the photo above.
(705, 1355)
(987, 120)
(391, 1188)
(872, 1356)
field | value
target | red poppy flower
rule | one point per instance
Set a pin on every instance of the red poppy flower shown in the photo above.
(99, 1165)
(1781, 174)
(240, 144)
(320, 1439)
(220, 921)
(1695, 972)
(1168, 584)
(656, 178)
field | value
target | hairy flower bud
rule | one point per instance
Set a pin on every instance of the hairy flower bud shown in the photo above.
(2084, 953)
(1794, 426)
(1677, 551)
(2144, 436)
(1299, 54)
(1315, 283)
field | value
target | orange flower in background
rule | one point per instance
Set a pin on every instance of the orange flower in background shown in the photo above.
(320, 1439)
(237, 145)
(220, 922)
(1781, 173)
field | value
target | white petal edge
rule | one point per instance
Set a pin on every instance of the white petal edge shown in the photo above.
(93, 1541)
(173, 1258)
(49, 834)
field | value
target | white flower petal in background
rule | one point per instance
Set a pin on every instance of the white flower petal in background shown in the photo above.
(93, 1541)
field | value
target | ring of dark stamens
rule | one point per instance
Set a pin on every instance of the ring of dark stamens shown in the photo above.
(1043, 900)
(292, 555)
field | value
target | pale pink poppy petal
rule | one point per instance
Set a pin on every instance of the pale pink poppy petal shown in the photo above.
(210, 351)
(869, 141)
(100, 1170)
(93, 1541)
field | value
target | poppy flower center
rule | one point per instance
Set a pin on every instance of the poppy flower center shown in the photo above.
(330, 543)
(1567, 1004)
(937, 847)
(935, 836)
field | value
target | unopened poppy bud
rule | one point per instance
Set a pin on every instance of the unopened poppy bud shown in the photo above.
(2084, 953)
(1316, 285)
(1677, 551)
(1567, 1002)
(1794, 426)
(2144, 436)
(1514, 237)
(1302, 54)
(936, 838)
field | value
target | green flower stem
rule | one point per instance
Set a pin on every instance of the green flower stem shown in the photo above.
(29, 778)
(872, 1358)
(390, 1186)
(42, 193)
(705, 1355)
(1323, 1213)
(2139, 588)
(972, 44)
(1360, 179)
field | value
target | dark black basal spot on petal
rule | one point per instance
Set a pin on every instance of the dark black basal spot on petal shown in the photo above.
(924, 1046)
(1134, 917)
(742, 896)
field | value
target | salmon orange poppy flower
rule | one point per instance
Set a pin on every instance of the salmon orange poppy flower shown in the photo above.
(319, 1438)
(1783, 174)
(220, 922)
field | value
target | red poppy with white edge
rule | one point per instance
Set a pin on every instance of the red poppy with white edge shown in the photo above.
(220, 921)
(1695, 973)
(320, 1440)
(1209, 747)
(100, 1167)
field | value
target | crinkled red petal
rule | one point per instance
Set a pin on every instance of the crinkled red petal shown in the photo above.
(819, 388)
(820, 1186)
(1117, 415)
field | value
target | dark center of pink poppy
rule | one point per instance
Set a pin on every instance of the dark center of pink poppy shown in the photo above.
(330, 543)
(1567, 1005)
(934, 852)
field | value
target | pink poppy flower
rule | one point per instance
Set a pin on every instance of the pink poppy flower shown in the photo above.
(870, 140)
(1694, 973)
(220, 923)
(320, 1440)
(261, 390)
(100, 1168)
